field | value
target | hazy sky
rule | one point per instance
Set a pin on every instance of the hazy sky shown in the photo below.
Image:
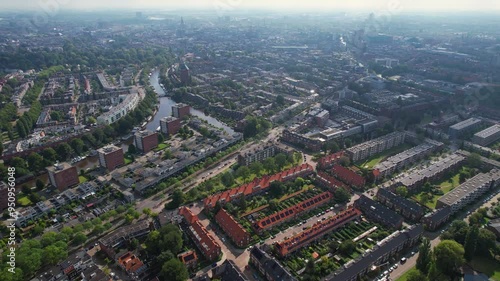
(227, 5)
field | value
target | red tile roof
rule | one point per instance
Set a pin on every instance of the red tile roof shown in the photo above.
(328, 160)
(130, 262)
(330, 181)
(305, 237)
(283, 215)
(203, 239)
(257, 185)
(188, 257)
(233, 229)
(348, 176)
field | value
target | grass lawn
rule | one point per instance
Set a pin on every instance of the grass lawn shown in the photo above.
(405, 275)
(82, 179)
(487, 266)
(128, 159)
(161, 146)
(24, 201)
(371, 162)
(446, 186)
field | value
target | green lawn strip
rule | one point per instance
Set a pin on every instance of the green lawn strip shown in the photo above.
(405, 275)
(24, 201)
(82, 179)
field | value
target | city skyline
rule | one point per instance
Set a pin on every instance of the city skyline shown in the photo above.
(376, 5)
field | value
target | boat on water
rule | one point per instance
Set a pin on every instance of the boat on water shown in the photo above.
(144, 125)
(158, 129)
(149, 118)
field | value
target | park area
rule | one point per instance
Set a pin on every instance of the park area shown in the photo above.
(431, 193)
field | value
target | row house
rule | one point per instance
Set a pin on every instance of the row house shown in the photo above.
(304, 238)
(329, 160)
(293, 211)
(407, 208)
(349, 177)
(200, 235)
(386, 249)
(232, 228)
(436, 219)
(379, 213)
(269, 267)
(257, 186)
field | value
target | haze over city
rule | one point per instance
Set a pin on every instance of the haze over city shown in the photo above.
(240, 140)
(405, 5)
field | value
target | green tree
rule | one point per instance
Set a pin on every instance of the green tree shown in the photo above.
(270, 165)
(344, 161)
(177, 199)
(341, 196)
(49, 154)
(35, 162)
(347, 247)
(434, 273)
(470, 243)
(173, 270)
(424, 256)
(256, 168)
(77, 145)
(274, 204)
(227, 179)
(485, 242)
(276, 189)
(64, 151)
(281, 160)
(132, 149)
(39, 184)
(449, 257)
(79, 238)
(474, 160)
(243, 172)
(402, 191)
(280, 100)
(53, 254)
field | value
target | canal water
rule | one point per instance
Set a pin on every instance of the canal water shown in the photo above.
(165, 108)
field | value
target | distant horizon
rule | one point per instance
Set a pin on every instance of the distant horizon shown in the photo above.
(376, 6)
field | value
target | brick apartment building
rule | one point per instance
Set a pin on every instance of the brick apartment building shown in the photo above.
(63, 175)
(348, 176)
(146, 141)
(170, 125)
(232, 228)
(111, 157)
(180, 110)
(200, 235)
(329, 160)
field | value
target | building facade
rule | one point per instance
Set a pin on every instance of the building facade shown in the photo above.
(180, 110)
(146, 141)
(111, 157)
(170, 125)
(63, 175)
